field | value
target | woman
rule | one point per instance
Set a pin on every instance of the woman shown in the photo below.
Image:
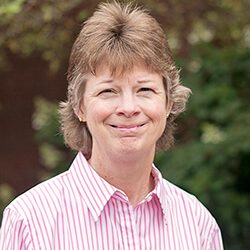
(123, 97)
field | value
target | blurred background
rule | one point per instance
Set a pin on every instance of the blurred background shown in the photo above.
(211, 44)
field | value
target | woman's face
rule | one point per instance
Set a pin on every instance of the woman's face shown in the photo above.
(124, 113)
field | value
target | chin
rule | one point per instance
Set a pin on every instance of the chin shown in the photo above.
(131, 147)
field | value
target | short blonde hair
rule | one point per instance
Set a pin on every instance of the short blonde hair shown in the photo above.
(121, 36)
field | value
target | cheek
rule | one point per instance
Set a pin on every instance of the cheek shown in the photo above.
(96, 113)
(157, 110)
(158, 116)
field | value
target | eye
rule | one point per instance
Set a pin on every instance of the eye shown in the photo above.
(106, 92)
(145, 89)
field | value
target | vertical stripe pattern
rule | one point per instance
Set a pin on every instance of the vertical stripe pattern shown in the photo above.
(80, 210)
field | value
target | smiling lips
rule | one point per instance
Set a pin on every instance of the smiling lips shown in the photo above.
(127, 128)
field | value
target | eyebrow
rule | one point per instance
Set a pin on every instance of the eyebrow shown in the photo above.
(138, 81)
(106, 81)
(145, 80)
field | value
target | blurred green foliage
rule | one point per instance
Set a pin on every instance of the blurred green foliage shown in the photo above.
(50, 141)
(214, 163)
(211, 39)
(6, 195)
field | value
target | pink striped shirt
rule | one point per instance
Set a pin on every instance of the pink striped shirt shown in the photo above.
(79, 210)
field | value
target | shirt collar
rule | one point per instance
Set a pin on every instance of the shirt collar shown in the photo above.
(96, 192)
(160, 191)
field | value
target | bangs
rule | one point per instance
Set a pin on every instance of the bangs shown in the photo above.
(122, 59)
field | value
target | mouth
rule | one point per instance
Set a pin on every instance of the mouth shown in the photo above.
(127, 127)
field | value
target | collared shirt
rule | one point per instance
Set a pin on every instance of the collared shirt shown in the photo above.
(79, 210)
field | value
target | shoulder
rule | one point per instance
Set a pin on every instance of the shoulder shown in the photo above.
(175, 192)
(187, 202)
(46, 196)
(192, 212)
(29, 220)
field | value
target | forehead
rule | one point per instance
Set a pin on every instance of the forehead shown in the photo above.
(137, 71)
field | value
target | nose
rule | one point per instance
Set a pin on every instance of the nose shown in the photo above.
(128, 105)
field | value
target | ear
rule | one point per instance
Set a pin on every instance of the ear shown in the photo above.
(169, 107)
(80, 112)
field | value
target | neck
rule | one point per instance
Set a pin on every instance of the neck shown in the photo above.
(131, 175)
